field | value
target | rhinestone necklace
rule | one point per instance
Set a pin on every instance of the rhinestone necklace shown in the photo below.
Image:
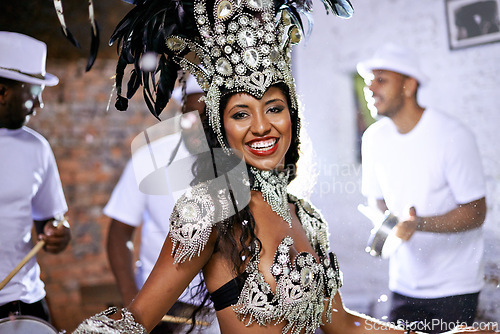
(273, 186)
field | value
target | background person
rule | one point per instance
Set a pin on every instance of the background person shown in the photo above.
(424, 166)
(30, 188)
(129, 208)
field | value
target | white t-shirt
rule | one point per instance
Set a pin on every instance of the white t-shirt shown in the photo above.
(30, 189)
(132, 207)
(434, 167)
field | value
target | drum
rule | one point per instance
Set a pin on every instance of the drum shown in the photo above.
(23, 324)
(382, 241)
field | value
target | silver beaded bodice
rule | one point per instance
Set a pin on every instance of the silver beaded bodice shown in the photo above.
(302, 285)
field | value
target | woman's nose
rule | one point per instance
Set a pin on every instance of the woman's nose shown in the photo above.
(260, 125)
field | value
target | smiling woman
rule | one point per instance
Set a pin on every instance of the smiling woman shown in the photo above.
(259, 129)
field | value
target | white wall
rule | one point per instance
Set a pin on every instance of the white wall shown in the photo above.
(464, 83)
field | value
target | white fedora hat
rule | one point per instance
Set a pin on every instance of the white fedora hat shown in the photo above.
(192, 87)
(394, 58)
(22, 58)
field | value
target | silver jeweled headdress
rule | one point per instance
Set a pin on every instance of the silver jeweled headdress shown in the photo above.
(228, 45)
(243, 50)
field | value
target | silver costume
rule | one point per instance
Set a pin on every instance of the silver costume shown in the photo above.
(303, 285)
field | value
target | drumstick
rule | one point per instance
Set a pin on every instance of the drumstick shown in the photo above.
(39, 245)
(183, 320)
(21, 264)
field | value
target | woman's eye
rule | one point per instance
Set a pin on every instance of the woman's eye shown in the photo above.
(239, 115)
(275, 110)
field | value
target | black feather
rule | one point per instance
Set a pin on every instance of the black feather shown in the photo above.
(94, 46)
(70, 37)
(120, 70)
(148, 92)
(341, 8)
(150, 102)
(133, 84)
(166, 83)
(121, 103)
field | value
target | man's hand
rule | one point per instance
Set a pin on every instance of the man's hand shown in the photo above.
(406, 227)
(56, 236)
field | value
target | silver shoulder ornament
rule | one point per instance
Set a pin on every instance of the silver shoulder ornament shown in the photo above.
(193, 217)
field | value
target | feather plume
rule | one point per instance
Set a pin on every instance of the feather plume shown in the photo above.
(94, 47)
(297, 8)
(166, 83)
(145, 29)
(341, 8)
(94, 44)
(147, 26)
(133, 84)
(60, 16)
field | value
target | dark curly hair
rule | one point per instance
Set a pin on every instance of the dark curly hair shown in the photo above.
(231, 233)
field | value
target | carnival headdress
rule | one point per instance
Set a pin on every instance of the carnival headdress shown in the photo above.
(228, 45)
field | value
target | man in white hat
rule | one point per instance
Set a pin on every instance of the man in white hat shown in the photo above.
(30, 188)
(424, 166)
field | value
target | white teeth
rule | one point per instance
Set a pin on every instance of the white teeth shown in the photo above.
(263, 144)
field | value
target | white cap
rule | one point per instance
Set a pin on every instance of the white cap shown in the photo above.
(192, 87)
(22, 58)
(394, 58)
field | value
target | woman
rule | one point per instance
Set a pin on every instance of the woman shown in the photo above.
(261, 131)
(263, 253)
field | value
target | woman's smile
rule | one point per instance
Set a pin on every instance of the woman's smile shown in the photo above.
(264, 146)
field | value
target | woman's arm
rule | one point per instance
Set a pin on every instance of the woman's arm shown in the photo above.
(166, 283)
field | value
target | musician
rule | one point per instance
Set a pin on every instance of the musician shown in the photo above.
(424, 166)
(30, 188)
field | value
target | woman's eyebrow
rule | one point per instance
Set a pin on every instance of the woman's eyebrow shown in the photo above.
(274, 100)
(238, 106)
